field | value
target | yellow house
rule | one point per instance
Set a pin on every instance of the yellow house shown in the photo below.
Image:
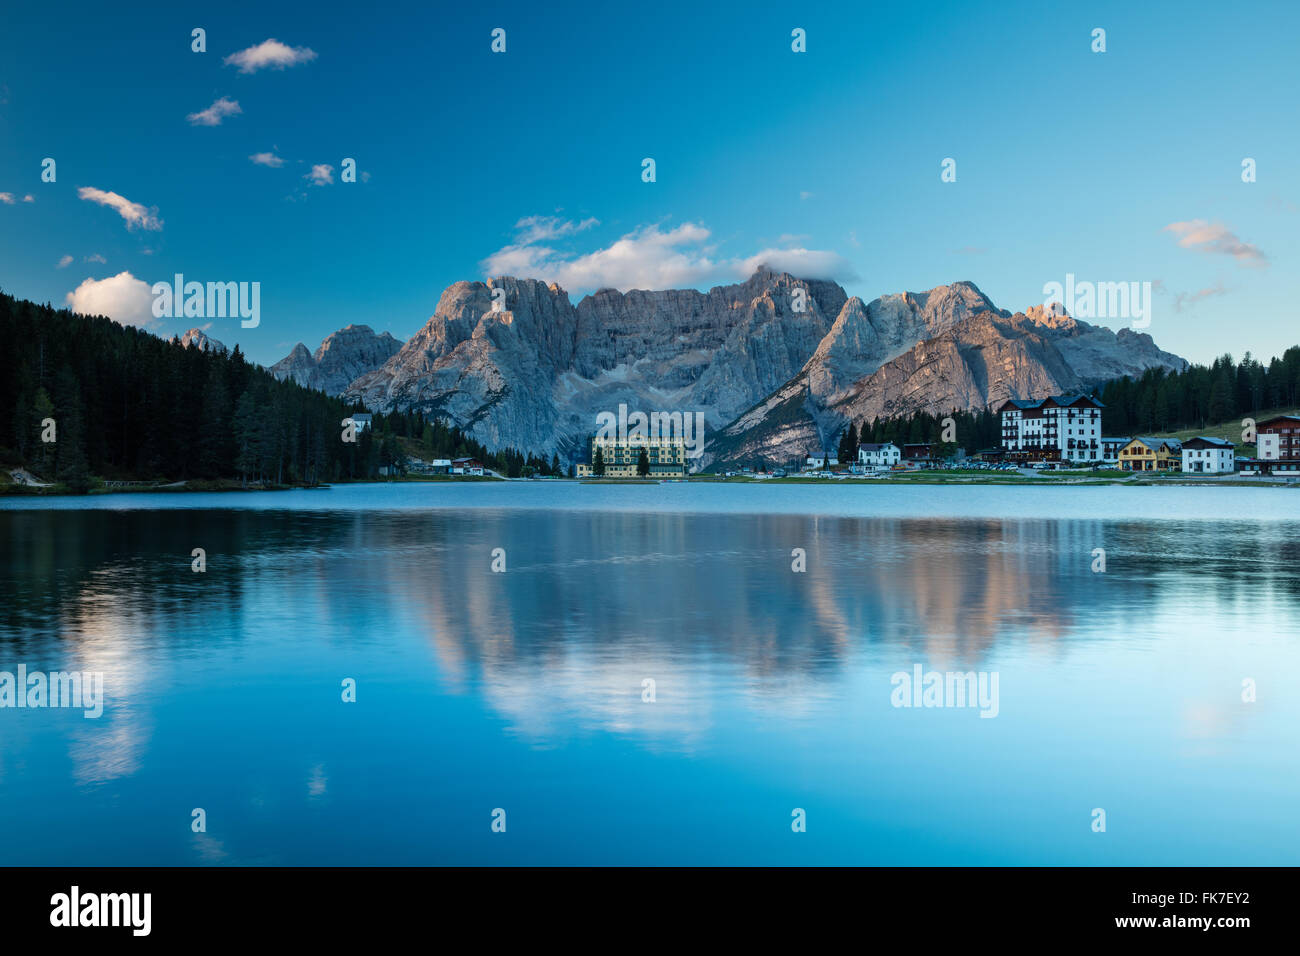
(1152, 454)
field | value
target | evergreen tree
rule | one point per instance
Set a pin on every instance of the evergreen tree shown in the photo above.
(42, 412)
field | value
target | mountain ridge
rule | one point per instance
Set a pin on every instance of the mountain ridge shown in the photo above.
(777, 364)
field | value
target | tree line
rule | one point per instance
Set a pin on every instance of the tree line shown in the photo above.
(1201, 395)
(123, 404)
(976, 429)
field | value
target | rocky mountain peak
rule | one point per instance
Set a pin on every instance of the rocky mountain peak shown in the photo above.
(1052, 317)
(341, 357)
(198, 339)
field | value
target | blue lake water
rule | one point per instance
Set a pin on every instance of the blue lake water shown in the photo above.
(1119, 690)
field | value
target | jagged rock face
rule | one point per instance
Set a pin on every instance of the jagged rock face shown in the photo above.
(341, 358)
(535, 374)
(976, 358)
(198, 339)
(864, 337)
(515, 364)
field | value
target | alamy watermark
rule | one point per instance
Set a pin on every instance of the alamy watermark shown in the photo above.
(923, 688)
(212, 300)
(1100, 300)
(686, 427)
(80, 689)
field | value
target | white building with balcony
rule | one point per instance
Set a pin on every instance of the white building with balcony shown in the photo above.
(1059, 427)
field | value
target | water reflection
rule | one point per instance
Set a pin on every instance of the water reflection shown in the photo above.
(207, 673)
(592, 604)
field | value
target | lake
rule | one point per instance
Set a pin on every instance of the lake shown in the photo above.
(678, 673)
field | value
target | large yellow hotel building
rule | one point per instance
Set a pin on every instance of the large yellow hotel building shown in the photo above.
(667, 457)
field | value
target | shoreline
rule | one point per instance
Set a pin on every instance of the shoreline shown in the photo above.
(905, 478)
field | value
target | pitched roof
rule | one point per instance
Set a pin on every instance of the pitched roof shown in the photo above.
(1279, 419)
(1206, 440)
(1173, 444)
(1063, 401)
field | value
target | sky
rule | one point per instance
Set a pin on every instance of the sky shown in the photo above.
(227, 165)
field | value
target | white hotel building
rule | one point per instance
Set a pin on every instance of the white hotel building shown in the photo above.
(1060, 427)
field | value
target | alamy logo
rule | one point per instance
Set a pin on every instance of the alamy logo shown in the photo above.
(103, 909)
(1100, 300)
(213, 300)
(923, 688)
(84, 690)
(686, 427)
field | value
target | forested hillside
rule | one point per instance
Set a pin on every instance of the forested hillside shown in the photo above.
(1156, 403)
(128, 405)
(1202, 395)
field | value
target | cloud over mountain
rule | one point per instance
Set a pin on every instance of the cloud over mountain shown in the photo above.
(649, 257)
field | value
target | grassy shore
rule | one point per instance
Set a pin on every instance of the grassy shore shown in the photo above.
(937, 476)
(100, 487)
(1075, 478)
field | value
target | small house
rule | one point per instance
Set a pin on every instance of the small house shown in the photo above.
(1209, 456)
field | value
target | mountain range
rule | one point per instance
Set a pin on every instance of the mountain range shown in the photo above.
(339, 360)
(777, 364)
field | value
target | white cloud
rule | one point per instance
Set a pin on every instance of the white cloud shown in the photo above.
(270, 54)
(95, 257)
(133, 212)
(1186, 300)
(214, 114)
(647, 258)
(800, 262)
(7, 198)
(322, 174)
(122, 297)
(29, 198)
(1215, 237)
(64, 262)
(532, 229)
(267, 159)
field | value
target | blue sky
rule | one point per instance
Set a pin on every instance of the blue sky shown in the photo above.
(1068, 161)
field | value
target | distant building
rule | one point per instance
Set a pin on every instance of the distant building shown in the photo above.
(439, 466)
(916, 451)
(1209, 456)
(1064, 427)
(820, 461)
(1151, 454)
(667, 457)
(1110, 449)
(466, 466)
(886, 455)
(1278, 439)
